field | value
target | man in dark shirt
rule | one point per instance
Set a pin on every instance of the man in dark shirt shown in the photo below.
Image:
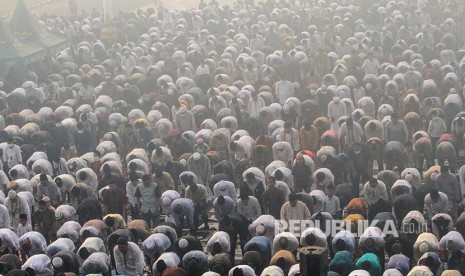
(59, 136)
(273, 199)
(302, 175)
(82, 140)
(44, 220)
(253, 186)
(115, 201)
(235, 225)
(110, 178)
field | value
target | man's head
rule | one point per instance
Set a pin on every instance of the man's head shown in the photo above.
(193, 186)
(329, 189)
(370, 55)
(349, 122)
(233, 146)
(23, 219)
(271, 182)
(11, 142)
(12, 195)
(244, 196)
(250, 177)
(158, 173)
(279, 175)
(320, 176)
(287, 127)
(80, 127)
(14, 173)
(434, 195)
(299, 158)
(43, 179)
(159, 152)
(394, 117)
(26, 246)
(106, 169)
(75, 191)
(56, 158)
(217, 248)
(307, 125)
(178, 210)
(133, 177)
(110, 221)
(185, 179)
(146, 179)
(221, 201)
(293, 199)
(122, 245)
(42, 206)
(373, 182)
(444, 169)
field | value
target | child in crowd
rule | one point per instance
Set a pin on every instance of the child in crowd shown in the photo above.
(24, 226)
(331, 202)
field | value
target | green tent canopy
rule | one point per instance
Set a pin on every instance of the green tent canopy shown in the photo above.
(14, 53)
(27, 29)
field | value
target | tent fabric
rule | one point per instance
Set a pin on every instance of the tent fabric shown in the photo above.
(26, 28)
(13, 52)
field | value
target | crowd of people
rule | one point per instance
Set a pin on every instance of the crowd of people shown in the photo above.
(193, 143)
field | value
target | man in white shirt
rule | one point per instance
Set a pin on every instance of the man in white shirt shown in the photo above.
(240, 149)
(290, 135)
(436, 128)
(155, 245)
(131, 188)
(203, 69)
(225, 188)
(374, 190)
(11, 155)
(336, 110)
(294, 209)
(16, 206)
(255, 104)
(86, 91)
(248, 206)
(331, 203)
(32, 243)
(284, 89)
(185, 120)
(350, 133)
(219, 243)
(128, 61)
(147, 196)
(129, 258)
(250, 75)
(371, 65)
(436, 203)
(97, 262)
(283, 151)
(223, 206)
(5, 218)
